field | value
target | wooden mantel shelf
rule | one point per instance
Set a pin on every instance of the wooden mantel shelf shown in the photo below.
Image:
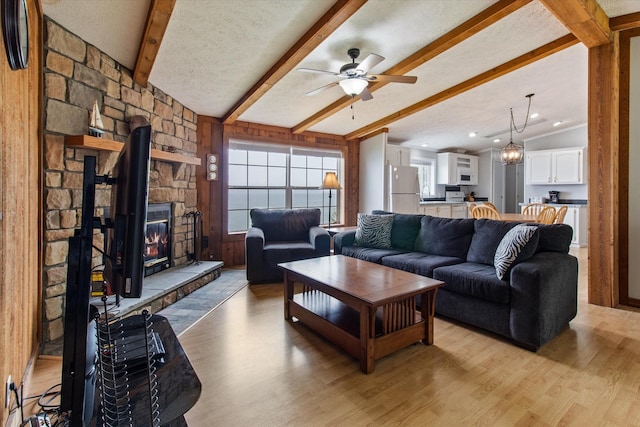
(94, 143)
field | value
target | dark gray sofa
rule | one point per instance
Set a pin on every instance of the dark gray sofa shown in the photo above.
(279, 236)
(533, 302)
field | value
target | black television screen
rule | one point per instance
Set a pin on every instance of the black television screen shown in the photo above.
(124, 263)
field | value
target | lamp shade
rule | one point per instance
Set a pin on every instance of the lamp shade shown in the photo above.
(512, 154)
(330, 182)
(353, 86)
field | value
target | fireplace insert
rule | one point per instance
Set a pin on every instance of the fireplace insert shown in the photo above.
(157, 249)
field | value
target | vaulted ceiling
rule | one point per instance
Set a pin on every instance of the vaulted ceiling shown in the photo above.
(474, 60)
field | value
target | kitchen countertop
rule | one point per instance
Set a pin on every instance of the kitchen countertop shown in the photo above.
(568, 203)
(441, 202)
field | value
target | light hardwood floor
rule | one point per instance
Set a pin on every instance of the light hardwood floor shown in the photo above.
(259, 370)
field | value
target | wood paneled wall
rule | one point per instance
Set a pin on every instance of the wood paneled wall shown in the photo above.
(214, 138)
(20, 206)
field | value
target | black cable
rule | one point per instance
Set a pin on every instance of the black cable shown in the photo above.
(18, 400)
(48, 392)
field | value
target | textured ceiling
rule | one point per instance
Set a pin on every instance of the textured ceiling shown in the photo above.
(214, 51)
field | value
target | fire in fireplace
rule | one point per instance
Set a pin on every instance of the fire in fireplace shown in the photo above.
(157, 251)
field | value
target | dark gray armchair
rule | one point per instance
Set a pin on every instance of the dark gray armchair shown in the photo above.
(279, 236)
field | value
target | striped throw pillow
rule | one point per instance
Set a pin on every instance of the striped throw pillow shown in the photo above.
(374, 231)
(519, 244)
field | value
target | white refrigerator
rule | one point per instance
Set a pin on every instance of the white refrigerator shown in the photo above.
(403, 189)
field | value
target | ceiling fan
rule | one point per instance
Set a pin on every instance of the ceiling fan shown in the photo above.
(354, 76)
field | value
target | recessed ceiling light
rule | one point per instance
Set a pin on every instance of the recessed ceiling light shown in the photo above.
(534, 115)
(497, 140)
(472, 134)
(425, 145)
(556, 124)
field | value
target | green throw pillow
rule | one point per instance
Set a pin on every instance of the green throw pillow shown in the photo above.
(374, 231)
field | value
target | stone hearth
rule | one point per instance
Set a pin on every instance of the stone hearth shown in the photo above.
(159, 291)
(164, 288)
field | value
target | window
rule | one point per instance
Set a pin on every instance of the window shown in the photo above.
(279, 177)
(426, 176)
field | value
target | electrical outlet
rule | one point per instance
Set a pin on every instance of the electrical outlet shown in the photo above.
(7, 392)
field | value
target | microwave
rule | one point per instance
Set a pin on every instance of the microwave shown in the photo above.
(466, 176)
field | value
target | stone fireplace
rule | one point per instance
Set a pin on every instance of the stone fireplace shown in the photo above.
(157, 251)
(76, 74)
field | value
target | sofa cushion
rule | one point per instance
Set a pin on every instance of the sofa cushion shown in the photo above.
(369, 254)
(519, 244)
(554, 238)
(285, 225)
(477, 280)
(374, 231)
(404, 230)
(486, 237)
(289, 251)
(445, 236)
(418, 262)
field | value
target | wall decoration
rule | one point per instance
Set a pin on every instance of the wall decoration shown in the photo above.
(95, 121)
(15, 32)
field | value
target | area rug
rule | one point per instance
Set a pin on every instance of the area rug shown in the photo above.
(187, 311)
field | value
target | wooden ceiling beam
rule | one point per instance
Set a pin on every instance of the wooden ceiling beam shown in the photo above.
(584, 18)
(462, 32)
(480, 79)
(330, 21)
(157, 20)
(625, 22)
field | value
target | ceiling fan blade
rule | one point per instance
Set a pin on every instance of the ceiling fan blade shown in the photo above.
(365, 95)
(369, 62)
(388, 78)
(311, 70)
(321, 88)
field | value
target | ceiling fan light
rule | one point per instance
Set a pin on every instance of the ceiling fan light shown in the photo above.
(353, 87)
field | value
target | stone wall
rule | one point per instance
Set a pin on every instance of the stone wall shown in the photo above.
(75, 75)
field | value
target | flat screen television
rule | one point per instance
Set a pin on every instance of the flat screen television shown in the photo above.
(124, 270)
(124, 263)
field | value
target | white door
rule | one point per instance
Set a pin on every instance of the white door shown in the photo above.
(498, 190)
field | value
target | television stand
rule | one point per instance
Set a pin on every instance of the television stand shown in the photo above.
(178, 387)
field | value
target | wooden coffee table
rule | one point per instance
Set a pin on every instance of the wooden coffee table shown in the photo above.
(367, 309)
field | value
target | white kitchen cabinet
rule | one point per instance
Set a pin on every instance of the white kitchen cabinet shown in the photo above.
(538, 167)
(561, 166)
(434, 209)
(568, 166)
(577, 218)
(398, 156)
(457, 169)
(460, 211)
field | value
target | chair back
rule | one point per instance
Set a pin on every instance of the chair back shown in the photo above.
(491, 205)
(483, 211)
(562, 211)
(546, 215)
(534, 208)
(470, 206)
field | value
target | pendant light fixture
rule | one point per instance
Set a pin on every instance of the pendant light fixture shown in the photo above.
(513, 153)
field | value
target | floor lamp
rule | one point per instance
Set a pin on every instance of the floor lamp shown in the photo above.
(330, 183)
